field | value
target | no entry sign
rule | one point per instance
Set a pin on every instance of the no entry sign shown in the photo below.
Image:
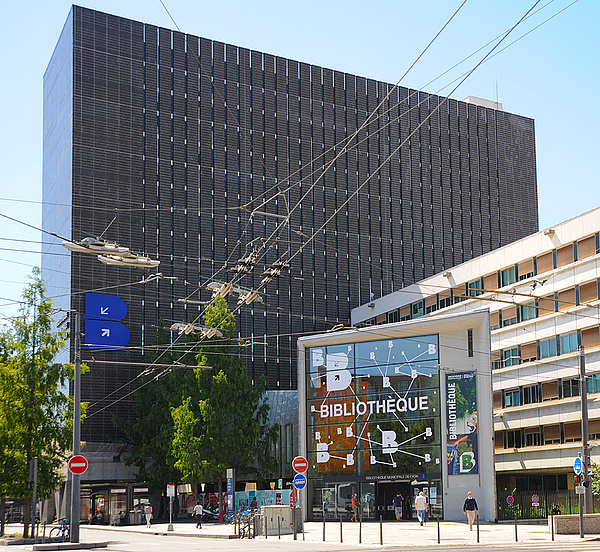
(299, 464)
(78, 464)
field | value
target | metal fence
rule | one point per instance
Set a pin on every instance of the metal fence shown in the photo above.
(524, 506)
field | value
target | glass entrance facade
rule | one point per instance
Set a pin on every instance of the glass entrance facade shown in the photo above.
(373, 416)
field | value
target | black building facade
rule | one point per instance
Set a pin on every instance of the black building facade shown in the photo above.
(196, 153)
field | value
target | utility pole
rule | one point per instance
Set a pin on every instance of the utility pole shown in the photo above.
(75, 482)
(585, 437)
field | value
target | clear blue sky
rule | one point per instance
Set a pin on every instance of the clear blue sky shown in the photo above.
(550, 75)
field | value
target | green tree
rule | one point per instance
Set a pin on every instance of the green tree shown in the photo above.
(36, 410)
(226, 426)
(150, 436)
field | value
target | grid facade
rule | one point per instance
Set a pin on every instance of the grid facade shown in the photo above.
(185, 136)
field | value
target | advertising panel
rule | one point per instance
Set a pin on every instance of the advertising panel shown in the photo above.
(461, 411)
(374, 409)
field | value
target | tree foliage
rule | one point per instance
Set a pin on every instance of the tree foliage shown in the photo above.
(224, 423)
(150, 436)
(35, 407)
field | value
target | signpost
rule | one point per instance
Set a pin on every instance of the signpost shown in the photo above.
(299, 465)
(78, 464)
(299, 481)
(171, 495)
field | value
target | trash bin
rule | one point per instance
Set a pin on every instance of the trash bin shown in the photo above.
(135, 517)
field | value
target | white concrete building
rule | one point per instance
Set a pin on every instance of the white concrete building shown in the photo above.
(543, 295)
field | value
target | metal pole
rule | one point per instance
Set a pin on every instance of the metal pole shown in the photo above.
(585, 434)
(360, 526)
(438, 526)
(581, 508)
(478, 528)
(75, 482)
(323, 522)
(170, 526)
(294, 510)
(516, 535)
(278, 527)
(34, 469)
(552, 525)
(381, 530)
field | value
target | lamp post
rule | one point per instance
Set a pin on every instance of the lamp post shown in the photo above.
(75, 482)
(585, 434)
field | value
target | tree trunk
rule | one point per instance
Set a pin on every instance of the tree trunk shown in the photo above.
(26, 517)
(220, 487)
(2, 515)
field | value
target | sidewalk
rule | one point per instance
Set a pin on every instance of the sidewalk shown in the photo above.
(405, 533)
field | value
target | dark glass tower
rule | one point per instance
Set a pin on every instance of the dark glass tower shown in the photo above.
(189, 142)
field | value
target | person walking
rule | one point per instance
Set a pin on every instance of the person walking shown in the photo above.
(421, 507)
(355, 506)
(198, 513)
(397, 503)
(470, 508)
(148, 512)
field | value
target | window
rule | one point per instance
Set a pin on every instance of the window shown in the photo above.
(475, 288)
(533, 437)
(552, 435)
(496, 360)
(512, 398)
(531, 394)
(509, 316)
(445, 300)
(393, 316)
(593, 383)
(548, 347)
(418, 309)
(528, 311)
(568, 343)
(511, 357)
(508, 276)
(570, 388)
(512, 439)
(495, 320)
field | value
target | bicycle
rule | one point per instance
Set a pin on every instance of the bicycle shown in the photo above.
(62, 533)
(246, 526)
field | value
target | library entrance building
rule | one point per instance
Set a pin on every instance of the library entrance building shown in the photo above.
(396, 410)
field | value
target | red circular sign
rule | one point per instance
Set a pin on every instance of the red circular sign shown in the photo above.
(78, 464)
(299, 464)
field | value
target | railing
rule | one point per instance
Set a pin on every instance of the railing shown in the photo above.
(523, 506)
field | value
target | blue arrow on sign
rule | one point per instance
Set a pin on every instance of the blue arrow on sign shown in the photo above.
(299, 481)
(577, 466)
(105, 335)
(105, 307)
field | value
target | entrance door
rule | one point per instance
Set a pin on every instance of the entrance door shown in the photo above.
(385, 495)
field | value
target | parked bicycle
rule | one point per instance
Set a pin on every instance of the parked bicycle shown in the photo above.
(62, 533)
(246, 526)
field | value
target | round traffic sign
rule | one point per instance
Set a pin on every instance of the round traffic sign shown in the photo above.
(78, 464)
(300, 464)
(535, 498)
(510, 499)
(299, 481)
(577, 466)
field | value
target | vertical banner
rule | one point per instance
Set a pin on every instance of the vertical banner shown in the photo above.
(230, 490)
(461, 415)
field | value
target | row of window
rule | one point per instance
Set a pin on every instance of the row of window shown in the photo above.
(546, 348)
(545, 435)
(547, 391)
(523, 270)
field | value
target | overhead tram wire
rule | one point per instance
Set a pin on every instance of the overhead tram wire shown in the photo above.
(346, 140)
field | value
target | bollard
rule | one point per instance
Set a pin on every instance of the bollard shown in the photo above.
(265, 525)
(516, 536)
(44, 534)
(323, 522)
(278, 527)
(360, 529)
(477, 527)
(381, 530)
(552, 525)
(438, 525)
(341, 530)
